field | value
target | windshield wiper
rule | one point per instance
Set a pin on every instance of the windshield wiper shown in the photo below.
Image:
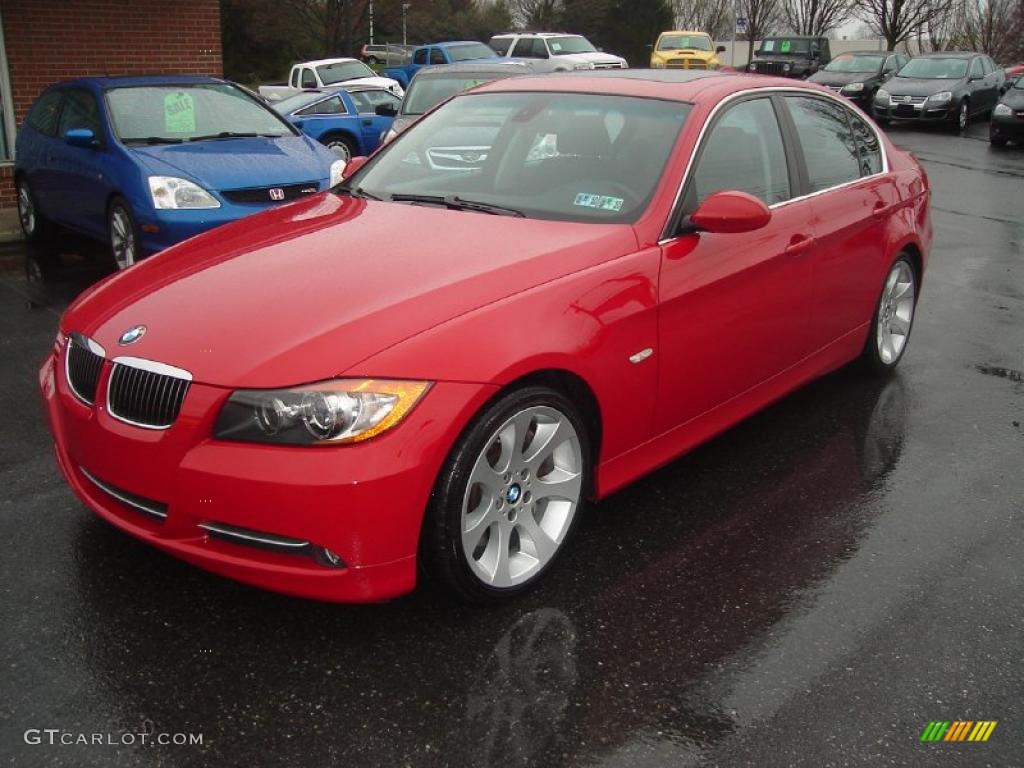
(456, 203)
(356, 192)
(236, 135)
(152, 140)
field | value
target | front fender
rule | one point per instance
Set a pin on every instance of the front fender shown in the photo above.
(589, 323)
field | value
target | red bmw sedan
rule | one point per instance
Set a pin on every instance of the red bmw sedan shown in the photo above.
(545, 289)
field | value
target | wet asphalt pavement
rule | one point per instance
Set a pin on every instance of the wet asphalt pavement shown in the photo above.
(811, 588)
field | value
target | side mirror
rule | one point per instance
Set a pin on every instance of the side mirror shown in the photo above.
(81, 137)
(385, 110)
(720, 49)
(353, 165)
(730, 212)
(974, 78)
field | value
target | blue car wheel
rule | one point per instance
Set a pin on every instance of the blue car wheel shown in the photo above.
(341, 145)
(123, 234)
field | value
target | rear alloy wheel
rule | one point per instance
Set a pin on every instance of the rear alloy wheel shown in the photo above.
(894, 318)
(508, 497)
(341, 146)
(123, 235)
(35, 228)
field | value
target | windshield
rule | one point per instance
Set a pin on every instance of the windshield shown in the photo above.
(175, 113)
(340, 71)
(560, 46)
(1019, 83)
(425, 93)
(855, 63)
(469, 51)
(564, 156)
(935, 68)
(692, 42)
(298, 101)
(784, 45)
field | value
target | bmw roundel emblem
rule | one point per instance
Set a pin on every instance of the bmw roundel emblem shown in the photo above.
(132, 335)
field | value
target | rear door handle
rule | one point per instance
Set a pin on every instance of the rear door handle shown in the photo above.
(798, 244)
(367, 121)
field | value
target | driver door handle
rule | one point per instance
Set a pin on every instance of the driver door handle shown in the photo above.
(798, 244)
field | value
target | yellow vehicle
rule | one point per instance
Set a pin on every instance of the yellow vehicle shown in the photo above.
(685, 50)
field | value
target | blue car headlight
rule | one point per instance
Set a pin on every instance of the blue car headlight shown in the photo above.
(169, 193)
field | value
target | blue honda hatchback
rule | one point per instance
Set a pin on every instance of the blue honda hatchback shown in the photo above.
(350, 120)
(145, 162)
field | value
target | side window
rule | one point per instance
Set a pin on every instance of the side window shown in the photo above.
(43, 116)
(331, 106)
(986, 65)
(891, 64)
(79, 111)
(976, 70)
(524, 48)
(420, 57)
(743, 151)
(867, 146)
(368, 101)
(540, 48)
(830, 151)
(308, 78)
(436, 56)
(294, 83)
(501, 44)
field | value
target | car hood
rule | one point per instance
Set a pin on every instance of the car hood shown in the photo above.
(597, 57)
(691, 52)
(306, 291)
(909, 86)
(842, 78)
(238, 163)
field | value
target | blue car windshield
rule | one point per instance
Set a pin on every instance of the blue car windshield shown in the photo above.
(176, 113)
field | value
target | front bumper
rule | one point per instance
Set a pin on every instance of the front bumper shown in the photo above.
(160, 229)
(1010, 128)
(923, 113)
(363, 502)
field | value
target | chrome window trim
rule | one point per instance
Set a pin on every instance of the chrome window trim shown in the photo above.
(152, 367)
(74, 337)
(120, 497)
(698, 145)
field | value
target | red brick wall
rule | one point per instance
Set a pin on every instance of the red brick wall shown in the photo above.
(51, 40)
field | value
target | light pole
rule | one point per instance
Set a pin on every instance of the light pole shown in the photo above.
(405, 39)
(371, 22)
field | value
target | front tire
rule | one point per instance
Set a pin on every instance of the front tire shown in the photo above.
(508, 497)
(962, 118)
(893, 319)
(122, 234)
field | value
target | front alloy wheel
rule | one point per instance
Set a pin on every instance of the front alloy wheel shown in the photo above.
(508, 497)
(26, 210)
(124, 243)
(962, 117)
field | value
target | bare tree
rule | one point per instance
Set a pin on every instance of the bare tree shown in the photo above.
(988, 25)
(898, 20)
(711, 16)
(535, 14)
(816, 17)
(762, 20)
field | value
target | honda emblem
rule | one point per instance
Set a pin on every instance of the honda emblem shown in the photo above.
(276, 193)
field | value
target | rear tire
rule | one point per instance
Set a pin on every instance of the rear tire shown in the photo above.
(508, 497)
(34, 226)
(893, 319)
(341, 145)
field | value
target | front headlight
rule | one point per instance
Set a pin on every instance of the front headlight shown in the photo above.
(329, 413)
(1003, 110)
(337, 172)
(854, 87)
(752, 67)
(882, 97)
(170, 192)
(941, 96)
(582, 66)
(786, 67)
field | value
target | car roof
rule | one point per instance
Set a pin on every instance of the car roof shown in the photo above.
(128, 81)
(793, 37)
(539, 34)
(454, 42)
(482, 68)
(321, 62)
(948, 55)
(667, 84)
(867, 53)
(683, 32)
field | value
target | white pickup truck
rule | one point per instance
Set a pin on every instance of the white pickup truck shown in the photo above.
(325, 73)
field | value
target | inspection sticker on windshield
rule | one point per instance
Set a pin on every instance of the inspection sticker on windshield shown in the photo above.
(786, 45)
(601, 202)
(179, 112)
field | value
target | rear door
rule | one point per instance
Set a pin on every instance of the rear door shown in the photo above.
(851, 201)
(372, 125)
(734, 308)
(37, 147)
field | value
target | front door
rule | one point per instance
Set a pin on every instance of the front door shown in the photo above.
(734, 308)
